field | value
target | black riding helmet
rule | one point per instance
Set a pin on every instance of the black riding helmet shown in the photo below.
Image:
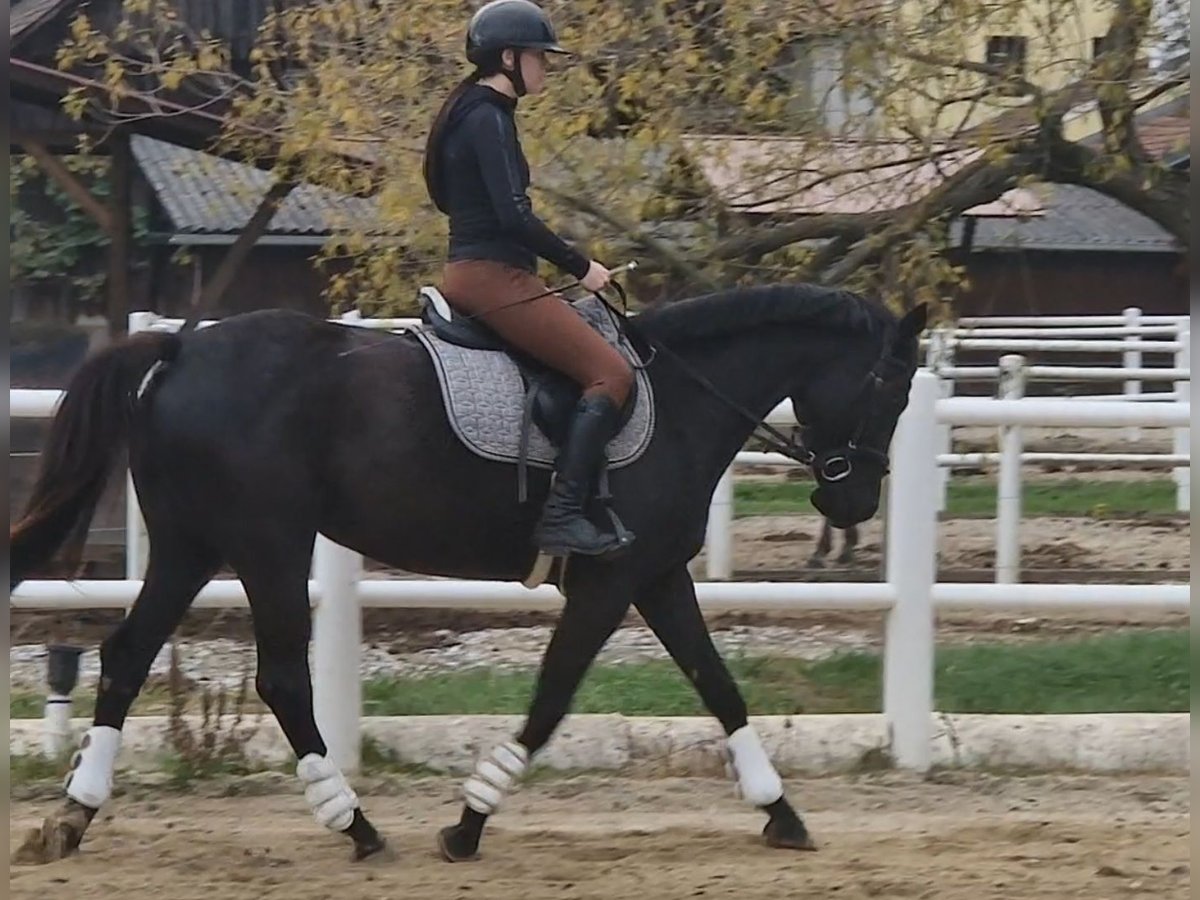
(516, 24)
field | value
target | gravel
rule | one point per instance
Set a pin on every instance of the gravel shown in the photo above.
(223, 662)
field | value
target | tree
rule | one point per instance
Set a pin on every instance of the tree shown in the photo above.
(932, 107)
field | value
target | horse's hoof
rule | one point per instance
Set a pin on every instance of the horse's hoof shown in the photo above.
(376, 850)
(787, 832)
(457, 844)
(816, 563)
(59, 837)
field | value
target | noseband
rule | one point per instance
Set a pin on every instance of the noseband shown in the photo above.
(836, 464)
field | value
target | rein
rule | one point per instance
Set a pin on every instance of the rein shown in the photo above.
(831, 466)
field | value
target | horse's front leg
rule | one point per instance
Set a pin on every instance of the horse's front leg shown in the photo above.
(594, 608)
(671, 611)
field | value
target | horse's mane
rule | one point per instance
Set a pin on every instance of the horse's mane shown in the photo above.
(739, 309)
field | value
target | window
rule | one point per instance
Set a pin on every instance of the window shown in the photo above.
(1008, 52)
(1100, 45)
(828, 79)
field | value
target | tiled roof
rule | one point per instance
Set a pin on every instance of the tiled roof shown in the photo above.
(791, 175)
(1074, 218)
(205, 194)
(1166, 136)
(25, 15)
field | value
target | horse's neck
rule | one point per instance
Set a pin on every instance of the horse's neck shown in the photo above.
(754, 371)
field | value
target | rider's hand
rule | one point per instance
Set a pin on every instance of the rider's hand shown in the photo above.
(597, 277)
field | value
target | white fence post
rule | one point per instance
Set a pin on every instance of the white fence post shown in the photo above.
(719, 540)
(137, 541)
(940, 354)
(1132, 360)
(337, 643)
(1008, 481)
(911, 569)
(1182, 436)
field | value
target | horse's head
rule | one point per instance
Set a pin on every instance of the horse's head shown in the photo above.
(848, 420)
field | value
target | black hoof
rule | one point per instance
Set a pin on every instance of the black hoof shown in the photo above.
(785, 830)
(367, 841)
(377, 849)
(816, 562)
(458, 844)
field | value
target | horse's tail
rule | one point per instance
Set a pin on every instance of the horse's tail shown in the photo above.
(87, 435)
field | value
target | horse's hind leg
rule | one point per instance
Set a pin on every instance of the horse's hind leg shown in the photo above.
(592, 613)
(824, 545)
(176, 570)
(848, 544)
(671, 611)
(275, 576)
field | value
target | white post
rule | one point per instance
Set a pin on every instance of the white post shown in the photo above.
(1182, 436)
(939, 355)
(337, 640)
(56, 734)
(719, 540)
(1008, 487)
(1132, 359)
(137, 541)
(911, 567)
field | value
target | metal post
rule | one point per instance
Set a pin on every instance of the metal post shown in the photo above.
(719, 540)
(62, 674)
(337, 640)
(1008, 487)
(1182, 475)
(911, 566)
(1132, 359)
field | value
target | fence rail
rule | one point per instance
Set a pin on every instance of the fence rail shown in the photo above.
(909, 592)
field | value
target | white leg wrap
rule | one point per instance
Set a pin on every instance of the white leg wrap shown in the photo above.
(90, 780)
(495, 776)
(327, 792)
(757, 780)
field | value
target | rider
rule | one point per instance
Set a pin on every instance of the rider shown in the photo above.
(477, 175)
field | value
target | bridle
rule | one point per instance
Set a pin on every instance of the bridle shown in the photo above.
(828, 466)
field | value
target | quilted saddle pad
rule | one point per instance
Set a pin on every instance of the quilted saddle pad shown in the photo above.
(484, 396)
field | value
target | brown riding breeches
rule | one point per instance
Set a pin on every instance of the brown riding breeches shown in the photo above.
(548, 329)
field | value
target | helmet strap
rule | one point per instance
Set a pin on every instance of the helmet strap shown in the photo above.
(515, 77)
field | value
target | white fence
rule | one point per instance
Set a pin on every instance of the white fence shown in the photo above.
(1130, 335)
(909, 593)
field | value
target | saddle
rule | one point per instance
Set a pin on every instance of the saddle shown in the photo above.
(506, 406)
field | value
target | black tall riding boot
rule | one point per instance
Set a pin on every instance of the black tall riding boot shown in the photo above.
(563, 527)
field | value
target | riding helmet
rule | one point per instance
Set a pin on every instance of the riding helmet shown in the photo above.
(519, 24)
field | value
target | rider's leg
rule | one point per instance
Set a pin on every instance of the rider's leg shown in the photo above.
(549, 330)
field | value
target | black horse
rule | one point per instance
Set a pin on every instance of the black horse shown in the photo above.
(260, 431)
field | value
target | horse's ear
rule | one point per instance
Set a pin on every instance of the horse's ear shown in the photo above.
(914, 321)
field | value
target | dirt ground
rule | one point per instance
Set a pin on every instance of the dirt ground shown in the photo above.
(959, 836)
(1087, 550)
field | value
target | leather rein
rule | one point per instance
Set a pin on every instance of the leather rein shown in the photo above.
(830, 466)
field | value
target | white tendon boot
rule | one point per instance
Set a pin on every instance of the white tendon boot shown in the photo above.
(495, 776)
(90, 780)
(328, 794)
(757, 781)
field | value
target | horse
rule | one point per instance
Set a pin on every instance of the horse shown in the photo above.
(249, 437)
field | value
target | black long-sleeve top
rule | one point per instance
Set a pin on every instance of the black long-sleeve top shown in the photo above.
(484, 180)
